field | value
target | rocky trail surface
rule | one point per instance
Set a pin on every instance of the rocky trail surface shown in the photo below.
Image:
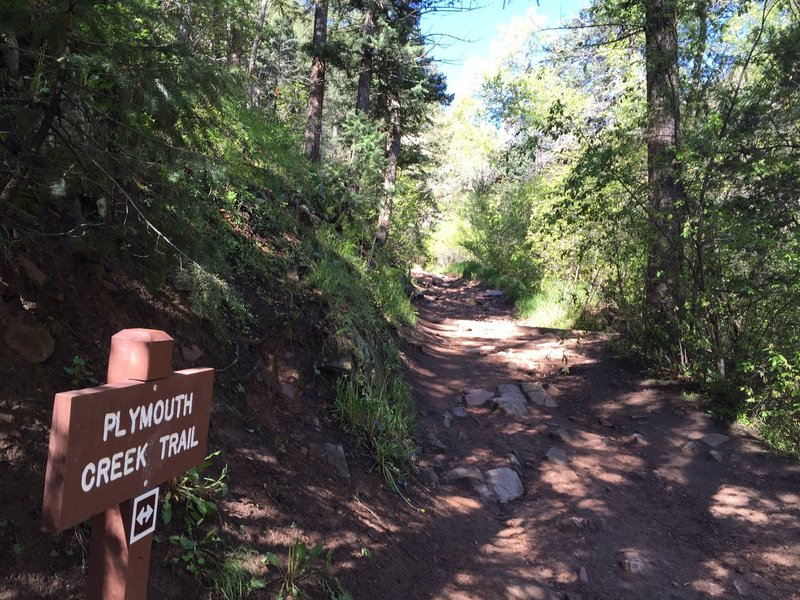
(555, 470)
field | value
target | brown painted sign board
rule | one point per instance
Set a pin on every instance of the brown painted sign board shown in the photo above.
(116, 441)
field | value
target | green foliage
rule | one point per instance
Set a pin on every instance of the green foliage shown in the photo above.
(558, 304)
(212, 298)
(235, 578)
(302, 563)
(80, 375)
(773, 398)
(380, 414)
(194, 492)
(196, 556)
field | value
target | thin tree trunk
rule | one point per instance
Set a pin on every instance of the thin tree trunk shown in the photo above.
(262, 15)
(663, 277)
(316, 92)
(365, 69)
(390, 175)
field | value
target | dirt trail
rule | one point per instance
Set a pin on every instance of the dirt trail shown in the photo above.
(643, 509)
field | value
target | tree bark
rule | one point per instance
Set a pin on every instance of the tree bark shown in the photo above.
(316, 92)
(390, 175)
(365, 69)
(262, 15)
(663, 295)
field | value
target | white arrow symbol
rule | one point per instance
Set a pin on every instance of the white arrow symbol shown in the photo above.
(144, 515)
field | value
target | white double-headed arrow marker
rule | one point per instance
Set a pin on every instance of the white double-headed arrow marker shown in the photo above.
(144, 515)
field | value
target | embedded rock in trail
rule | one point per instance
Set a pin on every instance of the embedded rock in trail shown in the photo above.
(34, 344)
(583, 576)
(476, 397)
(715, 455)
(632, 562)
(334, 454)
(714, 439)
(433, 441)
(557, 456)
(528, 591)
(447, 420)
(470, 473)
(511, 400)
(561, 435)
(506, 484)
(537, 394)
(494, 294)
(459, 411)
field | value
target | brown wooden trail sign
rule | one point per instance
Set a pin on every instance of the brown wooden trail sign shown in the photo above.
(112, 445)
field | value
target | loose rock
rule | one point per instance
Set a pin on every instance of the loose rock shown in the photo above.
(33, 344)
(744, 588)
(191, 353)
(714, 439)
(431, 478)
(506, 484)
(632, 562)
(476, 397)
(459, 412)
(557, 456)
(433, 441)
(715, 455)
(583, 576)
(334, 454)
(560, 434)
(537, 394)
(513, 407)
(470, 473)
(447, 420)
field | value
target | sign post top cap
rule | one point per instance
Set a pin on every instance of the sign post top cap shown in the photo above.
(140, 355)
(140, 334)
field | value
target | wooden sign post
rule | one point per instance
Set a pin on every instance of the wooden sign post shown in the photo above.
(110, 448)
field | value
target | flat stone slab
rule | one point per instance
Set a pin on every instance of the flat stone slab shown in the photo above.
(334, 454)
(557, 456)
(510, 390)
(538, 395)
(512, 406)
(506, 484)
(511, 400)
(714, 439)
(494, 293)
(477, 397)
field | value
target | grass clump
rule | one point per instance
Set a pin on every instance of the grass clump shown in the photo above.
(381, 415)
(368, 301)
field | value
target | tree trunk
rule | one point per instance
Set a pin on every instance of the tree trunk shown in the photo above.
(365, 69)
(390, 175)
(663, 295)
(316, 91)
(252, 87)
(262, 15)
